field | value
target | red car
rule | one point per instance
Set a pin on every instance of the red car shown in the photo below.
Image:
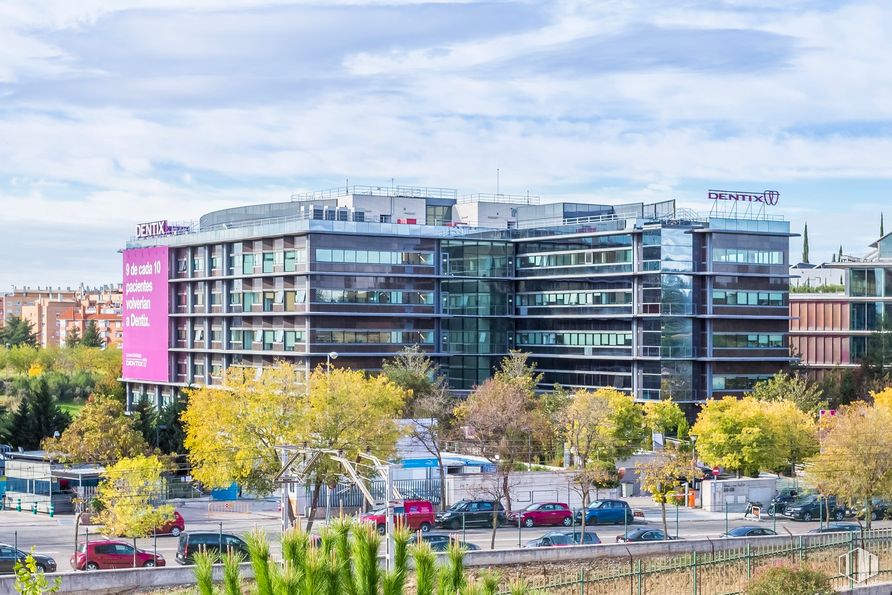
(543, 513)
(418, 515)
(174, 526)
(112, 554)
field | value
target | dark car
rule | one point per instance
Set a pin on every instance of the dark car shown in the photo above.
(543, 514)
(602, 512)
(811, 508)
(644, 534)
(838, 528)
(749, 531)
(472, 513)
(564, 538)
(439, 542)
(10, 555)
(192, 542)
(879, 509)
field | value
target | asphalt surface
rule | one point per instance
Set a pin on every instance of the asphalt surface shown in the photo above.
(55, 536)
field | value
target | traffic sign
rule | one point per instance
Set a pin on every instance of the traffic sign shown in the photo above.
(715, 471)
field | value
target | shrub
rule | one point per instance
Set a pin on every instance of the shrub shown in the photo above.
(787, 580)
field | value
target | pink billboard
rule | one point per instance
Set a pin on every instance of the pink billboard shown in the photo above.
(145, 314)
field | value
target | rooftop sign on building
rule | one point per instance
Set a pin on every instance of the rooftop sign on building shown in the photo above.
(768, 197)
(158, 228)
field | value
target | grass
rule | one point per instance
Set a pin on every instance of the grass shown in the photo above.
(72, 409)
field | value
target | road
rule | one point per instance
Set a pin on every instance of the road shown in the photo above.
(55, 536)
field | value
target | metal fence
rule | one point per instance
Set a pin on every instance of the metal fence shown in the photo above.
(849, 558)
(349, 496)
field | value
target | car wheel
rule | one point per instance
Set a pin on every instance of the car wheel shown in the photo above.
(455, 525)
(149, 564)
(567, 521)
(424, 527)
(839, 515)
(92, 566)
(175, 531)
(40, 568)
(528, 522)
(806, 517)
(874, 516)
(382, 529)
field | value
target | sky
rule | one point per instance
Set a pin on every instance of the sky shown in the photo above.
(118, 112)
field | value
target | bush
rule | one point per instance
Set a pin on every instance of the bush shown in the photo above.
(787, 580)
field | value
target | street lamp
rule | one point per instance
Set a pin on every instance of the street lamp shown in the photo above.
(328, 357)
(693, 438)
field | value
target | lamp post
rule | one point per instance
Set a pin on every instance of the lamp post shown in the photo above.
(693, 438)
(328, 357)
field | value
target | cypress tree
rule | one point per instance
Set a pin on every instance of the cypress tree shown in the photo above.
(805, 245)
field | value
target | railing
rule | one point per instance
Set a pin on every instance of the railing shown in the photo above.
(522, 199)
(351, 497)
(389, 191)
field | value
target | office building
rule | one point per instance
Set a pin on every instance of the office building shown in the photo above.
(650, 299)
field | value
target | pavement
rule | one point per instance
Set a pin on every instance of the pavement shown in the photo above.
(55, 536)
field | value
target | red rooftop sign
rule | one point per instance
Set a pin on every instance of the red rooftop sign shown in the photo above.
(768, 197)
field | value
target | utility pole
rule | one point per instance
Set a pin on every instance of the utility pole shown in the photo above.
(389, 528)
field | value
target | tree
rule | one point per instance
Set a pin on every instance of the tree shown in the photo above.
(664, 474)
(91, 337)
(171, 432)
(101, 433)
(807, 396)
(127, 495)
(666, 417)
(839, 256)
(738, 435)
(855, 462)
(601, 427)
(414, 371)
(432, 423)
(232, 432)
(144, 415)
(502, 416)
(805, 244)
(17, 331)
(882, 232)
(38, 415)
(786, 580)
(795, 434)
(72, 337)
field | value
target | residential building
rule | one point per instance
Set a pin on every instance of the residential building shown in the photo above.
(52, 312)
(647, 298)
(12, 302)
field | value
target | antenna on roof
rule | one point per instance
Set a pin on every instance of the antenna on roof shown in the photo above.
(497, 181)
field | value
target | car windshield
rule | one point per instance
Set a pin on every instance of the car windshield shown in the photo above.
(460, 505)
(596, 504)
(739, 531)
(380, 509)
(533, 507)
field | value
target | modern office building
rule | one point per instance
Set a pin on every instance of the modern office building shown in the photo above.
(647, 298)
(836, 330)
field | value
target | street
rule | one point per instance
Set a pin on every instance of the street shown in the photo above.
(55, 536)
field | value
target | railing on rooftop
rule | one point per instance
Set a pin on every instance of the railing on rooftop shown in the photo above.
(388, 191)
(521, 199)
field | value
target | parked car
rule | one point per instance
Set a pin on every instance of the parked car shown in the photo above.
(879, 509)
(472, 513)
(644, 534)
(543, 514)
(782, 499)
(192, 542)
(838, 528)
(417, 515)
(174, 526)
(606, 511)
(439, 542)
(749, 531)
(108, 554)
(10, 555)
(564, 538)
(811, 508)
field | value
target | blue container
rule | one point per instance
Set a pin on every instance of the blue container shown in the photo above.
(230, 493)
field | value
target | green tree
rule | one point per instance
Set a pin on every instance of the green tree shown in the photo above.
(503, 417)
(738, 435)
(795, 434)
(806, 395)
(882, 232)
(855, 463)
(600, 427)
(30, 580)
(72, 337)
(17, 331)
(38, 415)
(665, 417)
(91, 337)
(414, 371)
(171, 432)
(663, 475)
(145, 417)
(805, 244)
(102, 433)
(127, 495)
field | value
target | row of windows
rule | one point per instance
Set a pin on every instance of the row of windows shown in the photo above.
(728, 382)
(269, 299)
(376, 337)
(743, 256)
(375, 257)
(748, 298)
(575, 259)
(245, 263)
(353, 296)
(748, 341)
(614, 339)
(578, 298)
(286, 340)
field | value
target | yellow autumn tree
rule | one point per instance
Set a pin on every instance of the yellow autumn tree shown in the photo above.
(883, 398)
(128, 495)
(795, 434)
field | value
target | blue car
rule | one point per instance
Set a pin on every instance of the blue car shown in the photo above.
(601, 512)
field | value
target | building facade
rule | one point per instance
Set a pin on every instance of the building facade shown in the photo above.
(647, 298)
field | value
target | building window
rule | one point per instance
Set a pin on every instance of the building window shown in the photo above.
(746, 256)
(269, 262)
(247, 264)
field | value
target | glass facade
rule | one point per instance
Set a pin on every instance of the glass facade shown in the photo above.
(656, 308)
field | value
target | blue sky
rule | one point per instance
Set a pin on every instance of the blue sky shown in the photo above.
(112, 113)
